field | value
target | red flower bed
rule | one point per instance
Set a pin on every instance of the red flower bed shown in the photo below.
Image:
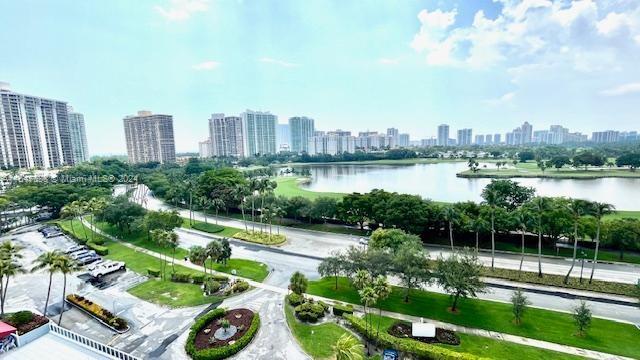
(202, 339)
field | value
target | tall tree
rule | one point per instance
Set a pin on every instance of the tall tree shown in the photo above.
(459, 275)
(490, 196)
(450, 215)
(599, 211)
(540, 205)
(382, 289)
(332, 266)
(478, 225)
(578, 208)
(198, 255)
(298, 283)
(65, 266)
(47, 261)
(411, 264)
(214, 252)
(9, 267)
(522, 218)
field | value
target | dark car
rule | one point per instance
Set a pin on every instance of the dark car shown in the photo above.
(85, 260)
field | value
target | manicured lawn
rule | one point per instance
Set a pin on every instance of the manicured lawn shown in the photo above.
(249, 269)
(316, 340)
(604, 335)
(487, 347)
(290, 187)
(332, 228)
(165, 292)
(530, 169)
(620, 214)
(210, 227)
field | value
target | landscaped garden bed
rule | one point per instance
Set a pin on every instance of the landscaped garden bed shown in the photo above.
(101, 314)
(24, 321)
(260, 238)
(221, 333)
(307, 309)
(443, 336)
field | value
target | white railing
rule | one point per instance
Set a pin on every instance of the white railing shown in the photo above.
(91, 344)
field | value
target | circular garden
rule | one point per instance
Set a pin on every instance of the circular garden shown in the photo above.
(221, 333)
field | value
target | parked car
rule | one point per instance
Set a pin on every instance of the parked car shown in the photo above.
(82, 253)
(88, 259)
(52, 232)
(108, 268)
(74, 248)
(96, 264)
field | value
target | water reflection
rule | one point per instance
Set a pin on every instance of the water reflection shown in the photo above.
(439, 182)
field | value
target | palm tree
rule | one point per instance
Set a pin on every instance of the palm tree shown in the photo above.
(541, 205)
(95, 205)
(298, 283)
(64, 265)
(159, 237)
(254, 186)
(240, 194)
(47, 261)
(450, 215)
(218, 204)
(348, 348)
(578, 208)
(204, 204)
(172, 242)
(9, 266)
(599, 210)
(198, 255)
(368, 298)
(478, 225)
(189, 188)
(491, 198)
(521, 218)
(382, 289)
(213, 251)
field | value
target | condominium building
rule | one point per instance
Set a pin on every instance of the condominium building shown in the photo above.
(443, 134)
(226, 136)
(464, 136)
(404, 140)
(332, 143)
(258, 133)
(479, 140)
(301, 129)
(488, 139)
(497, 139)
(283, 137)
(607, 136)
(520, 135)
(204, 149)
(78, 135)
(150, 138)
(34, 131)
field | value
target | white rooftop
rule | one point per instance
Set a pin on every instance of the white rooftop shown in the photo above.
(51, 346)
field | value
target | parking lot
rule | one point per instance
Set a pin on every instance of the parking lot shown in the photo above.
(151, 324)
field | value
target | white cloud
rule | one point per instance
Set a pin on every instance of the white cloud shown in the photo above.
(575, 33)
(388, 61)
(180, 10)
(504, 99)
(206, 65)
(268, 60)
(624, 89)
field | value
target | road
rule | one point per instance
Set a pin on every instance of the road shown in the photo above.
(321, 244)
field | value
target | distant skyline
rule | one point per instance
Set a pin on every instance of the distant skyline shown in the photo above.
(354, 65)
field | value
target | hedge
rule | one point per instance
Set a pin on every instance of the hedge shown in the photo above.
(198, 278)
(219, 352)
(99, 249)
(409, 346)
(210, 228)
(339, 309)
(153, 272)
(181, 277)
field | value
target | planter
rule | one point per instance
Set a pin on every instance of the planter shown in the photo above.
(81, 305)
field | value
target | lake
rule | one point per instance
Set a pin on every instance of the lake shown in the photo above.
(439, 182)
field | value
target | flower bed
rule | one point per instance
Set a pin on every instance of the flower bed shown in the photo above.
(25, 321)
(202, 344)
(108, 319)
(443, 336)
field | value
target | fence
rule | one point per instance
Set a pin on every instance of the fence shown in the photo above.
(91, 344)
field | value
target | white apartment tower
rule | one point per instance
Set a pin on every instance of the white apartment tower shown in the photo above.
(78, 137)
(34, 131)
(301, 129)
(226, 136)
(149, 138)
(443, 135)
(258, 132)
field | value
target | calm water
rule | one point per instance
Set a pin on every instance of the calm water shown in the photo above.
(439, 182)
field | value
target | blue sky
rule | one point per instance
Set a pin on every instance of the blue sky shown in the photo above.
(356, 65)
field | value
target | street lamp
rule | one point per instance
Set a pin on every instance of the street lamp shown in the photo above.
(583, 255)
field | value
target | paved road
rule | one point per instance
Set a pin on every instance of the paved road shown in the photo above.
(321, 244)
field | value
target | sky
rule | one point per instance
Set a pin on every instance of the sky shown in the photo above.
(350, 64)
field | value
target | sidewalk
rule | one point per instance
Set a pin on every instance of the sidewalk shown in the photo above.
(479, 332)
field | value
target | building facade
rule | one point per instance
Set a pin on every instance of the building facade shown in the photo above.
(150, 138)
(464, 136)
(332, 143)
(302, 129)
(404, 140)
(258, 133)
(608, 136)
(226, 136)
(283, 137)
(204, 149)
(78, 135)
(443, 134)
(34, 131)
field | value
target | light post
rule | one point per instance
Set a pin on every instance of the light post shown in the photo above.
(582, 255)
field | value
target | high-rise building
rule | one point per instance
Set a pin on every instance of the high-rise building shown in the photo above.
(226, 136)
(464, 137)
(283, 137)
(428, 142)
(78, 135)
(258, 132)
(497, 139)
(393, 138)
(527, 131)
(34, 131)
(204, 149)
(301, 128)
(332, 143)
(150, 138)
(443, 134)
(479, 140)
(404, 140)
(608, 136)
(488, 139)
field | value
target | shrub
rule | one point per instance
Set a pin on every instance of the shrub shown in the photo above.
(339, 309)
(99, 249)
(98, 241)
(98, 311)
(223, 351)
(219, 278)
(295, 299)
(309, 311)
(409, 346)
(198, 278)
(210, 228)
(211, 287)
(259, 238)
(21, 317)
(180, 277)
(237, 287)
(153, 272)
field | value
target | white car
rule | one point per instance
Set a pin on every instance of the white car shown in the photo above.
(107, 268)
(97, 264)
(74, 248)
(78, 254)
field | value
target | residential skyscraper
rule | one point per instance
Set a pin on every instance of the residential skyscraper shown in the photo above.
(443, 134)
(78, 137)
(301, 129)
(479, 140)
(404, 140)
(226, 136)
(34, 131)
(283, 137)
(204, 149)
(332, 143)
(527, 131)
(258, 132)
(608, 136)
(464, 136)
(150, 138)
(497, 139)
